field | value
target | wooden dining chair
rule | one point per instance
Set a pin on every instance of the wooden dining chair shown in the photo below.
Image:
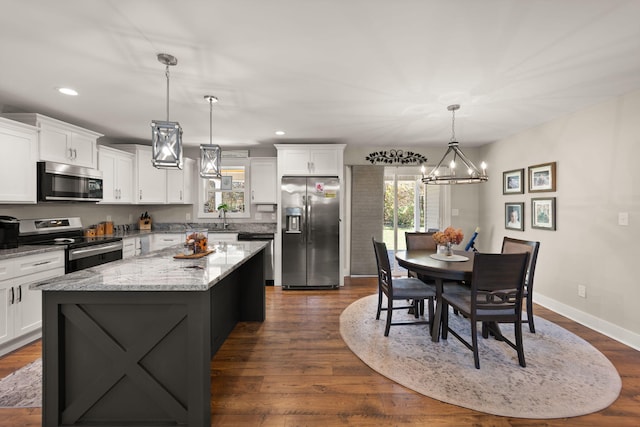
(419, 240)
(512, 246)
(495, 297)
(403, 288)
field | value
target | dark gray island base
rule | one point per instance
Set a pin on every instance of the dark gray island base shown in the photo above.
(124, 349)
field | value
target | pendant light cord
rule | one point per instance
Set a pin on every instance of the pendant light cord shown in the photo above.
(210, 120)
(167, 74)
(453, 125)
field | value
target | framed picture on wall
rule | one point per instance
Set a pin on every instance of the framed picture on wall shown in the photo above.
(514, 216)
(542, 177)
(543, 213)
(513, 182)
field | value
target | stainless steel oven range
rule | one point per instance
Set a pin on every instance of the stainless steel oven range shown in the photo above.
(81, 252)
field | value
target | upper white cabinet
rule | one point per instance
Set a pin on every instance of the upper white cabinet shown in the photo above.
(315, 159)
(62, 142)
(264, 180)
(19, 143)
(149, 182)
(180, 183)
(152, 186)
(117, 175)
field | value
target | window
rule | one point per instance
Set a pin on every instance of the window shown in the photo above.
(214, 192)
(409, 205)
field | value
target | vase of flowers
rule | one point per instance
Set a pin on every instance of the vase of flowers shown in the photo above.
(447, 238)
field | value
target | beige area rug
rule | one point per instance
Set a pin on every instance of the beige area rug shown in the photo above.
(22, 388)
(565, 375)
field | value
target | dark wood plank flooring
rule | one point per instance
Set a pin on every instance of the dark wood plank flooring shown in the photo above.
(295, 370)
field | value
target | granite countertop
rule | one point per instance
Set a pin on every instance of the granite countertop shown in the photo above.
(157, 271)
(25, 250)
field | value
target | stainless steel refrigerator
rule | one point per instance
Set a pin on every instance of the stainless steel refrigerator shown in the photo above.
(310, 232)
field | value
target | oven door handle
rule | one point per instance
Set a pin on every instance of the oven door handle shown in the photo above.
(94, 250)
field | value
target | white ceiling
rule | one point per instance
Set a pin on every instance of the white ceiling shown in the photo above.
(374, 72)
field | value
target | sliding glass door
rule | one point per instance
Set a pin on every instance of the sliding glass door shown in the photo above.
(409, 205)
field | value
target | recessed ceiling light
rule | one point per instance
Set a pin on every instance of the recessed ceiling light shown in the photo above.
(67, 91)
(279, 132)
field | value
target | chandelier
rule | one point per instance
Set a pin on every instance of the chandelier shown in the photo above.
(472, 174)
(166, 136)
(209, 153)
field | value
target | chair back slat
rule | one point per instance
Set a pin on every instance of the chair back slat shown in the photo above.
(498, 280)
(385, 280)
(419, 240)
(514, 246)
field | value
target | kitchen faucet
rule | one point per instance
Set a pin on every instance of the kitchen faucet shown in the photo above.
(222, 213)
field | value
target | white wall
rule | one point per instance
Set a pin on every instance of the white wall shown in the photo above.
(597, 152)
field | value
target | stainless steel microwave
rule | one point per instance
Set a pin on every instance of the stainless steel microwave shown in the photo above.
(61, 182)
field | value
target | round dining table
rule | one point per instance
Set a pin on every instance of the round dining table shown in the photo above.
(434, 266)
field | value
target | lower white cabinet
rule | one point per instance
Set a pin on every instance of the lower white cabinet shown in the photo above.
(21, 307)
(131, 247)
(164, 240)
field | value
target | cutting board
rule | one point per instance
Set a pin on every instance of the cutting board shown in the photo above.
(194, 256)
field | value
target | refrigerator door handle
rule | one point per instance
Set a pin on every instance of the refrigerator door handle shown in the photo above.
(308, 221)
(303, 220)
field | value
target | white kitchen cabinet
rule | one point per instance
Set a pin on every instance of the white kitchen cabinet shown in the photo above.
(21, 307)
(264, 180)
(309, 160)
(160, 241)
(149, 182)
(62, 142)
(19, 144)
(131, 247)
(117, 175)
(180, 183)
(152, 186)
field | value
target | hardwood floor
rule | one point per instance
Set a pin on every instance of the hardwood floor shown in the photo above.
(295, 370)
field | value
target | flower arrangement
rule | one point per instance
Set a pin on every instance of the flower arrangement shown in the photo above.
(449, 235)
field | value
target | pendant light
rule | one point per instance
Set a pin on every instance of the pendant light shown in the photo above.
(209, 153)
(471, 175)
(166, 136)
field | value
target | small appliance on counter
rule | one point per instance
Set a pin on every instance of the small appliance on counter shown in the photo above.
(9, 231)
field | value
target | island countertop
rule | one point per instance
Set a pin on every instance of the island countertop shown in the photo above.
(158, 271)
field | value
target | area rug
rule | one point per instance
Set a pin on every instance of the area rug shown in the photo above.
(22, 388)
(565, 375)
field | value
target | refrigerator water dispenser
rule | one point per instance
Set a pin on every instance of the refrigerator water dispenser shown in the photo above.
(293, 216)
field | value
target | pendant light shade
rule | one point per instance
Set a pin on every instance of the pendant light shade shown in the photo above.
(470, 175)
(210, 154)
(166, 136)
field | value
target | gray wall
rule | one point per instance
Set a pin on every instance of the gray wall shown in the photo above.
(597, 152)
(367, 204)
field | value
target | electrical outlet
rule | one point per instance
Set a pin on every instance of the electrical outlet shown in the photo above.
(273, 216)
(623, 218)
(130, 218)
(582, 291)
(455, 212)
(188, 216)
(108, 217)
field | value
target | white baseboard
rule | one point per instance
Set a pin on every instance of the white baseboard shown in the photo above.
(615, 332)
(16, 343)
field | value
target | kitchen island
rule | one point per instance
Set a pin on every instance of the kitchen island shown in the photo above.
(130, 342)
